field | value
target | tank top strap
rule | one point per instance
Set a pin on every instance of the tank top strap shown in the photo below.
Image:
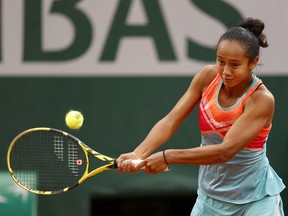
(253, 86)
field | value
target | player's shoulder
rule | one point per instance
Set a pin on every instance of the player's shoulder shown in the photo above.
(263, 96)
(206, 74)
(262, 92)
(208, 69)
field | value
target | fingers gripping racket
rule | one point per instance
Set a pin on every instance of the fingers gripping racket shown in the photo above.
(50, 161)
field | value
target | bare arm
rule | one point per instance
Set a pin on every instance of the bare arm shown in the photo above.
(167, 126)
(258, 113)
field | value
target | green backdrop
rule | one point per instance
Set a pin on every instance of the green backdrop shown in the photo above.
(119, 112)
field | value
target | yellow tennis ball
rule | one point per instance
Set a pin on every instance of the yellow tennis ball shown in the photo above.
(74, 119)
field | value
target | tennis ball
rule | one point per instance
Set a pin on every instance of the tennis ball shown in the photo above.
(74, 119)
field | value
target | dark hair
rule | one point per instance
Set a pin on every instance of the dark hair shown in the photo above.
(249, 33)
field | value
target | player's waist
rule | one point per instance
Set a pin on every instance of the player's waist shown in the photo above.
(212, 137)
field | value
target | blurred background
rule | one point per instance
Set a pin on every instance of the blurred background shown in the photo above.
(123, 64)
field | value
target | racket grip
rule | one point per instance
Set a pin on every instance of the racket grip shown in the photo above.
(136, 162)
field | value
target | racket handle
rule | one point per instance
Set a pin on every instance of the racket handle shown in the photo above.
(136, 162)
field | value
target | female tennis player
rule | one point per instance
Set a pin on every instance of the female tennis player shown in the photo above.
(235, 118)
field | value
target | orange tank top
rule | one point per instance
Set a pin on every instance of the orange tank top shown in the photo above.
(214, 119)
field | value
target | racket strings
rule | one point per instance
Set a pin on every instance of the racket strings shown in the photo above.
(47, 161)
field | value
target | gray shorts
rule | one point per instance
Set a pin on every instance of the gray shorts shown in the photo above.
(268, 206)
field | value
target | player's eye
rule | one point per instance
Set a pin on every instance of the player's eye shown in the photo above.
(235, 65)
(220, 62)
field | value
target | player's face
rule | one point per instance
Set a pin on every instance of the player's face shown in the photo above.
(233, 64)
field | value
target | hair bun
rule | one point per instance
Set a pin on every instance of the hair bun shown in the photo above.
(255, 26)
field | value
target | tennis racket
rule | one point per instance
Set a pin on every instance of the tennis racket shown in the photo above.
(49, 161)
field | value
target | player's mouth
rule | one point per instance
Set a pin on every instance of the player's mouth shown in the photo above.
(225, 79)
